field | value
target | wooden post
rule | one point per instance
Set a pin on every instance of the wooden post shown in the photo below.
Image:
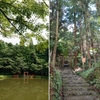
(25, 77)
(25, 80)
(25, 74)
(83, 61)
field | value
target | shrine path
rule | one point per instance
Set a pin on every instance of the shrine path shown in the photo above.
(74, 87)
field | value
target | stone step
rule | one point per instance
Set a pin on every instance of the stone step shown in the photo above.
(78, 88)
(69, 79)
(82, 98)
(76, 85)
(69, 74)
(73, 75)
(79, 93)
(74, 82)
(67, 71)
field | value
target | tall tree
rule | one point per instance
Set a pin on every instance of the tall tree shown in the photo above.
(55, 42)
(55, 25)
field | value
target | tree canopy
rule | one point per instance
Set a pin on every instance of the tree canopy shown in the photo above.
(15, 59)
(78, 28)
(75, 36)
(18, 16)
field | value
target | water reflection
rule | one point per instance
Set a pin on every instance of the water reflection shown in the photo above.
(15, 89)
(25, 80)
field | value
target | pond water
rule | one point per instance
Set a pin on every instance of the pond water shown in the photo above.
(24, 89)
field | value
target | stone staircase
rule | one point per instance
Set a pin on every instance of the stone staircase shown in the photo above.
(76, 88)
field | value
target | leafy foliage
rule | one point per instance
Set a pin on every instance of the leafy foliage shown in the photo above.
(56, 85)
(16, 59)
(86, 73)
(93, 75)
(16, 16)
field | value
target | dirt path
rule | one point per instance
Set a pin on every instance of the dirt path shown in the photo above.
(76, 88)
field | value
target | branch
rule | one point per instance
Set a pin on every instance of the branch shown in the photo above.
(45, 3)
(9, 20)
(10, 5)
(2, 28)
(22, 22)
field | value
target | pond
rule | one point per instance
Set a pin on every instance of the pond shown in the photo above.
(24, 89)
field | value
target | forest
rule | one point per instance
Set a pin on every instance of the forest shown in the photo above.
(74, 42)
(15, 59)
(26, 20)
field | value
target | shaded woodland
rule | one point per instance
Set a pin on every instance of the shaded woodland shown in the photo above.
(75, 39)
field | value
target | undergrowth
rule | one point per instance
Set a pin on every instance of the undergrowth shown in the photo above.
(92, 75)
(55, 85)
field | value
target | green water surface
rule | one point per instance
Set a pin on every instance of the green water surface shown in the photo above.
(24, 89)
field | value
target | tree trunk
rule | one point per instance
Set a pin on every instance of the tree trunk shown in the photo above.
(88, 54)
(56, 40)
(92, 46)
(75, 29)
(88, 34)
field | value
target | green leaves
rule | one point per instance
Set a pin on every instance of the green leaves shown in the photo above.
(17, 16)
(42, 46)
(93, 75)
(56, 84)
(86, 73)
(16, 59)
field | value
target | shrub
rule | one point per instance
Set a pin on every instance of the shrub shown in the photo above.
(93, 75)
(56, 85)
